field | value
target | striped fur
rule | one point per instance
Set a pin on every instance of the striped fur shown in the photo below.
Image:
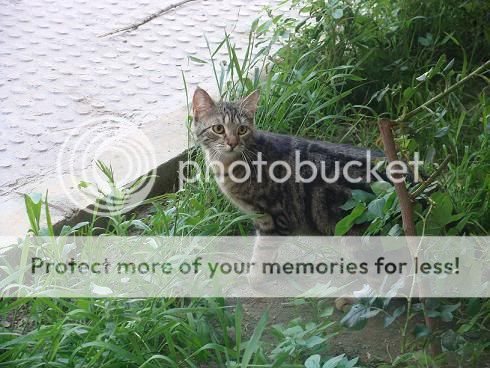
(285, 208)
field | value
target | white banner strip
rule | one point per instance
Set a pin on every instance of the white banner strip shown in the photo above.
(137, 267)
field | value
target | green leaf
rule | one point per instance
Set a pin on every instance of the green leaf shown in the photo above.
(197, 60)
(357, 316)
(351, 363)
(35, 197)
(350, 204)
(48, 216)
(457, 216)
(333, 362)
(327, 312)
(139, 225)
(376, 207)
(431, 228)
(474, 306)
(78, 226)
(441, 132)
(442, 212)
(450, 340)
(448, 66)
(427, 40)
(83, 184)
(423, 77)
(440, 62)
(337, 14)
(344, 225)
(313, 361)
(404, 358)
(33, 203)
(408, 93)
(362, 196)
(421, 331)
(396, 313)
(314, 341)
(396, 230)
(254, 342)
(381, 187)
(365, 217)
(120, 352)
(447, 311)
(238, 327)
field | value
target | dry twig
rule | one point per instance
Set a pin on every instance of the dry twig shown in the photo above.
(431, 178)
(424, 106)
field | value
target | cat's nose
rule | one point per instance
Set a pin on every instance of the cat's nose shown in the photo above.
(232, 142)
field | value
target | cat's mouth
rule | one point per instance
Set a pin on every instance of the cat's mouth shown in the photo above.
(228, 153)
(233, 150)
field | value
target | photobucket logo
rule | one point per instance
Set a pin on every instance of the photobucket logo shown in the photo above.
(107, 161)
(302, 171)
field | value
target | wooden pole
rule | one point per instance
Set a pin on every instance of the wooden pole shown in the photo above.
(385, 127)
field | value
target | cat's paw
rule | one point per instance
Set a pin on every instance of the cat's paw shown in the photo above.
(256, 279)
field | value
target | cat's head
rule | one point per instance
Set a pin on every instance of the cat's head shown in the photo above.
(224, 128)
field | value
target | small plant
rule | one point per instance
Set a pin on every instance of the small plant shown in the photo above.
(299, 338)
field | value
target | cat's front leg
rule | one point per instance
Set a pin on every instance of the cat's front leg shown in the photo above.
(266, 249)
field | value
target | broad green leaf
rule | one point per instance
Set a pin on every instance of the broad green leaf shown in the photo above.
(350, 204)
(357, 316)
(337, 14)
(441, 132)
(327, 312)
(389, 319)
(381, 187)
(395, 230)
(344, 225)
(442, 211)
(314, 341)
(447, 311)
(450, 340)
(421, 331)
(376, 207)
(362, 196)
(333, 362)
(313, 361)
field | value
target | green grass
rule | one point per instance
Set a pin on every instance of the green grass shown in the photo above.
(336, 73)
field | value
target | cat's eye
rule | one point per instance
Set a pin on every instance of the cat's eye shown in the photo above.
(218, 129)
(242, 129)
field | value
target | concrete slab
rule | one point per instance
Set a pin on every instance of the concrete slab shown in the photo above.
(69, 97)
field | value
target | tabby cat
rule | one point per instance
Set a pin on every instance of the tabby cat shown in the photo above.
(226, 132)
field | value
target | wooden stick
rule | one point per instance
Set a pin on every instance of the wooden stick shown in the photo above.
(401, 190)
(385, 127)
(149, 18)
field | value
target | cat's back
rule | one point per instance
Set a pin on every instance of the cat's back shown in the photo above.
(283, 146)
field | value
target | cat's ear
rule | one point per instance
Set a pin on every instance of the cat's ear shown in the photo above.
(250, 102)
(202, 103)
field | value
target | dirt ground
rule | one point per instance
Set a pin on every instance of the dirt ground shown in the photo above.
(374, 344)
